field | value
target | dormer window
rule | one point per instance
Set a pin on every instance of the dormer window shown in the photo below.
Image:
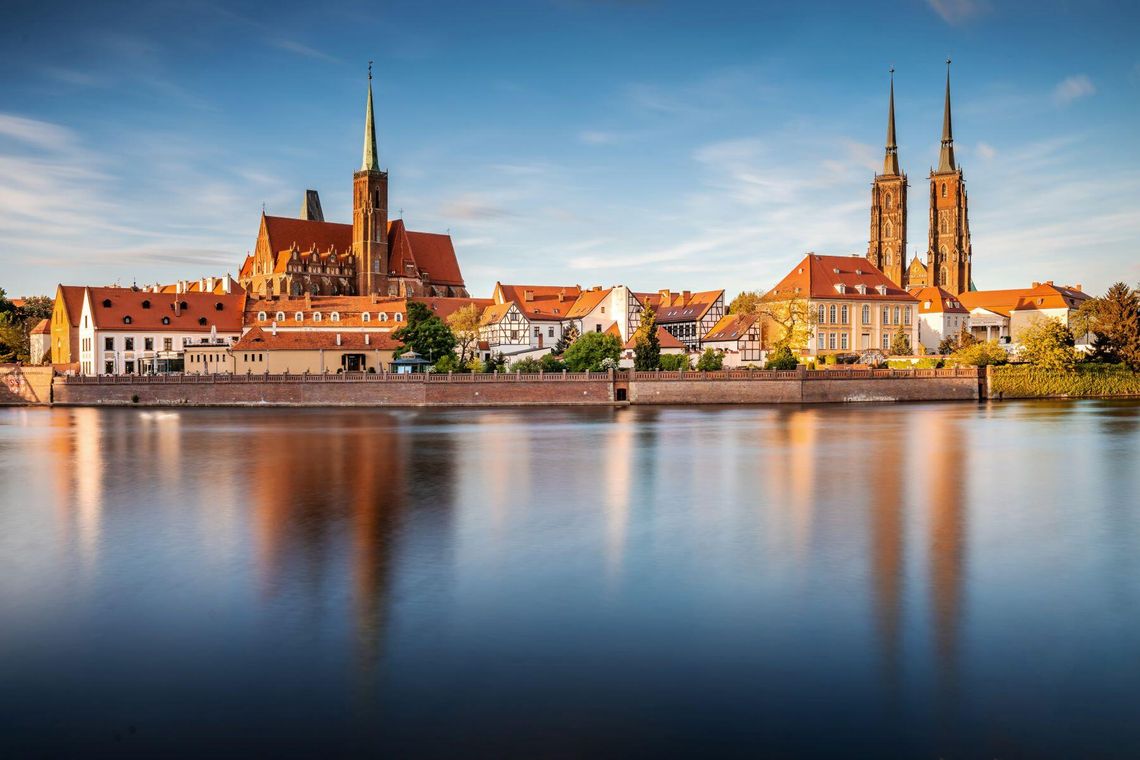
(862, 289)
(840, 288)
(280, 316)
(365, 317)
(383, 316)
(299, 316)
(218, 306)
(399, 317)
(106, 303)
(127, 320)
(202, 321)
(183, 305)
(335, 316)
(882, 289)
(261, 317)
(316, 316)
(166, 320)
(146, 304)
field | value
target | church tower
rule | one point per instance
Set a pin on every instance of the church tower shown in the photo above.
(370, 212)
(887, 246)
(948, 256)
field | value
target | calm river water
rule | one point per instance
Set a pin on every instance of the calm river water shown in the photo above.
(942, 580)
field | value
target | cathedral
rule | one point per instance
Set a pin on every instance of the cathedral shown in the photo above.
(372, 256)
(948, 254)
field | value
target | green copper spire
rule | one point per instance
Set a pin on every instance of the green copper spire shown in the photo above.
(891, 161)
(371, 157)
(946, 158)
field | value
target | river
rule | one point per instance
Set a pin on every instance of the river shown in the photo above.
(910, 580)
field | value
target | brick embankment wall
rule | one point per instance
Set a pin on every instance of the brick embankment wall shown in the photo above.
(336, 393)
(25, 385)
(891, 389)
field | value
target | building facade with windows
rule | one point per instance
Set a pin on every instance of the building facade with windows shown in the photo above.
(312, 352)
(600, 309)
(546, 309)
(686, 315)
(738, 337)
(941, 315)
(125, 331)
(850, 305)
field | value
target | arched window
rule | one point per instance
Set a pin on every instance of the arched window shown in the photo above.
(887, 260)
(845, 314)
(280, 316)
(906, 315)
(866, 314)
(316, 316)
(889, 201)
(821, 314)
(886, 315)
(261, 316)
(944, 225)
(299, 316)
(897, 314)
(942, 278)
(399, 317)
(127, 320)
(365, 317)
(831, 314)
(887, 230)
(943, 189)
(335, 316)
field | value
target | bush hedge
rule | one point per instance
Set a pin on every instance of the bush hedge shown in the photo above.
(1026, 381)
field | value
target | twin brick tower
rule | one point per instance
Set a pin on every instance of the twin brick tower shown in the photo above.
(948, 255)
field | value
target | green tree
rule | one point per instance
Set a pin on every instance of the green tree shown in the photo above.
(588, 352)
(646, 346)
(710, 361)
(1114, 320)
(981, 354)
(900, 343)
(497, 363)
(789, 322)
(14, 341)
(36, 308)
(674, 362)
(447, 363)
(569, 335)
(952, 343)
(529, 365)
(748, 302)
(782, 358)
(425, 333)
(551, 363)
(1048, 344)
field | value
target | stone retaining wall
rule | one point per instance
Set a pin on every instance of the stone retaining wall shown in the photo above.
(25, 385)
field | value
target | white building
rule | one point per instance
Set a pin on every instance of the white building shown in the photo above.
(598, 309)
(124, 331)
(738, 338)
(940, 315)
(1003, 314)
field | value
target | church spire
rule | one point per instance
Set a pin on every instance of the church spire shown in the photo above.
(891, 161)
(371, 161)
(946, 158)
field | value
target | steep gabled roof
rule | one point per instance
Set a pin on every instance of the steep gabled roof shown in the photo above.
(494, 313)
(671, 307)
(1043, 295)
(445, 307)
(540, 302)
(817, 276)
(42, 327)
(587, 301)
(731, 327)
(282, 232)
(258, 339)
(72, 296)
(935, 300)
(184, 312)
(664, 338)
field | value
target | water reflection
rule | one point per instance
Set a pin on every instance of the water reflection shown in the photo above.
(637, 580)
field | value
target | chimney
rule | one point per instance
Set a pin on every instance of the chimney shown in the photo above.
(228, 284)
(528, 295)
(178, 287)
(664, 296)
(367, 339)
(562, 295)
(177, 308)
(1036, 284)
(686, 295)
(273, 328)
(375, 298)
(1078, 288)
(338, 339)
(308, 301)
(1048, 282)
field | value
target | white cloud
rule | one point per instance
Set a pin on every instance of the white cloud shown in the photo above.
(986, 151)
(597, 137)
(1073, 88)
(958, 11)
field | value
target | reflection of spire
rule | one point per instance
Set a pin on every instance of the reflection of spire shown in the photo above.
(946, 157)
(887, 545)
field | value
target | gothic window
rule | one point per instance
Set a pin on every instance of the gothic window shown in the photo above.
(888, 259)
(888, 230)
(943, 189)
(942, 278)
(889, 203)
(944, 224)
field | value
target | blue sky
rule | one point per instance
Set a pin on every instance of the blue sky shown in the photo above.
(656, 144)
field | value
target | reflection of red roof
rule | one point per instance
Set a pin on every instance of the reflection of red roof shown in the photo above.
(732, 327)
(111, 309)
(934, 300)
(837, 277)
(258, 339)
(540, 302)
(664, 338)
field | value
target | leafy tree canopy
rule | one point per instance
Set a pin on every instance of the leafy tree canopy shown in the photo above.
(900, 343)
(646, 346)
(1048, 344)
(425, 333)
(782, 358)
(981, 354)
(710, 361)
(588, 352)
(748, 302)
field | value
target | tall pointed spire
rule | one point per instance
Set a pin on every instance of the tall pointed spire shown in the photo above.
(946, 158)
(371, 161)
(891, 161)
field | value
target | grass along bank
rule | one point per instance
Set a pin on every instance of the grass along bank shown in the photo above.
(1028, 381)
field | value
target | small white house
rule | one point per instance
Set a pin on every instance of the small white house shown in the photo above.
(940, 315)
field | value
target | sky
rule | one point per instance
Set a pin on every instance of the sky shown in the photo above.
(654, 144)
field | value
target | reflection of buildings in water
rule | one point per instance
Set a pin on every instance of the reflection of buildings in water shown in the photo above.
(617, 487)
(946, 460)
(889, 466)
(793, 450)
(86, 462)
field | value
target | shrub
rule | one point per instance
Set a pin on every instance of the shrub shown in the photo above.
(710, 361)
(900, 343)
(587, 353)
(781, 358)
(551, 363)
(529, 365)
(447, 363)
(1048, 344)
(674, 362)
(475, 365)
(980, 354)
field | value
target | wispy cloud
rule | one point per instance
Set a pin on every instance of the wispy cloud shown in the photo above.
(1073, 88)
(958, 11)
(303, 50)
(986, 151)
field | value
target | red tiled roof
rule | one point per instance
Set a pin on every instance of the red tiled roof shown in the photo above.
(546, 302)
(445, 307)
(282, 232)
(731, 327)
(347, 308)
(1043, 295)
(73, 300)
(817, 276)
(42, 327)
(664, 338)
(435, 255)
(587, 301)
(258, 339)
(934, 300)
(111, 306)
(495, 312)
(671, 307)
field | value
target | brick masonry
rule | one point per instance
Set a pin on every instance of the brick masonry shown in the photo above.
(25, 385)
(599, 390)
